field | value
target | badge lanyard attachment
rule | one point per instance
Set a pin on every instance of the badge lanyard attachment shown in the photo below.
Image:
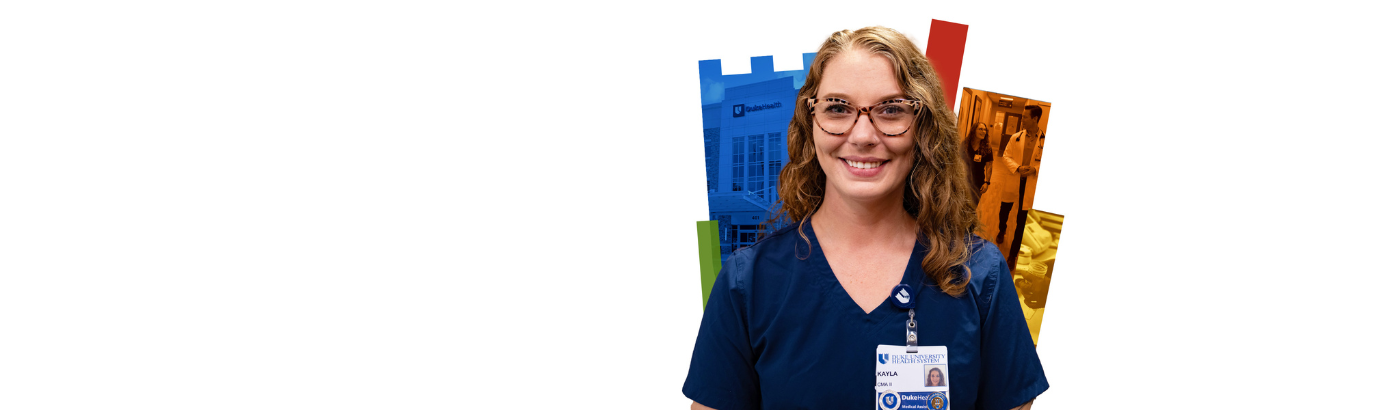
(903, 297)
(911, 338)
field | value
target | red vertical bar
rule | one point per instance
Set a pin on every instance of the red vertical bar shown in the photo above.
(945, 51)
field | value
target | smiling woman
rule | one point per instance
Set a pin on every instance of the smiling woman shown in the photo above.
(881, 207)
(871, 66)
(934, 377)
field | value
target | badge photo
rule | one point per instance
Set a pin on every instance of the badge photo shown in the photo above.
(936, 375)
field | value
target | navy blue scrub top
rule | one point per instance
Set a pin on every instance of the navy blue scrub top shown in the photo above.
(780, 332)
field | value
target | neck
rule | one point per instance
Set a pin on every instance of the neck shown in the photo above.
(863, 222)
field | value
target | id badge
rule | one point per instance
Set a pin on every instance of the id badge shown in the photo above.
(912, 381)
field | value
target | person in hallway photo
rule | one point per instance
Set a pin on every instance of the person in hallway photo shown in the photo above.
(1010, 188)
(1022, 159)
(979, 159)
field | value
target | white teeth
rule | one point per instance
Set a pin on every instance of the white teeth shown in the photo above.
(863, 165)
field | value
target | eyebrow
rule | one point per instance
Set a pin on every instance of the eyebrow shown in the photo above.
(850, 100)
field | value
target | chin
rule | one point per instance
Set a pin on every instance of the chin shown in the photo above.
(865, 191)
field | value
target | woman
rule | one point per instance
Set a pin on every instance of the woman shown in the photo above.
(935, 378)
(794, 320)
(980, 158)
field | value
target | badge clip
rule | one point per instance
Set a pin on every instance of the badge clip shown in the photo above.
(912, 338)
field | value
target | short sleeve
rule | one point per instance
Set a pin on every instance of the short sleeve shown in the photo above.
(1011, 371)
(722, 373)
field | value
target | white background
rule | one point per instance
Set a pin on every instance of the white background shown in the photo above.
(426, 205)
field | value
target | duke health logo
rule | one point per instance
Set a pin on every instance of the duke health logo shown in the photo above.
(889, 400)
(902, 296)
(881, 357)
(742, 109)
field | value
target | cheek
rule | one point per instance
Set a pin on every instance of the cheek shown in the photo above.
(901, 144)
(825, 146)
(904, 150)
(821, 142)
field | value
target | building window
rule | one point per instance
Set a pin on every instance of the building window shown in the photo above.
(747, 235)
(756, 165)
(773, 163)
(728, 239)
(739, 152)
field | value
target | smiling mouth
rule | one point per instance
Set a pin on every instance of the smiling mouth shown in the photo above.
(864, 165)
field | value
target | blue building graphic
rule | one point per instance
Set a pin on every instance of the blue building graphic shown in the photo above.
(745, 120)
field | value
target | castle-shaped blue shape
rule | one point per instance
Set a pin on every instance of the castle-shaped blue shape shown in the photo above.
(745, 120)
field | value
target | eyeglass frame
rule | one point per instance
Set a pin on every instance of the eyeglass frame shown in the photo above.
(917, 105)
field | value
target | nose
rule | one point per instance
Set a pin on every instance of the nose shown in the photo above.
(864, 133)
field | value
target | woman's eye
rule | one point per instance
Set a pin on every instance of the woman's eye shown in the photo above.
(838, 109)
(892, 110)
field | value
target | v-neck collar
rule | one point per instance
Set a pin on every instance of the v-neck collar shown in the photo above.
(834, 290)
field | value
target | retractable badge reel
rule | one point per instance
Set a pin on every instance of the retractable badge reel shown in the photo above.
(904, 297)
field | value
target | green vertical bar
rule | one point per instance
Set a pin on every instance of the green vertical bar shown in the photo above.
(708, 232)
